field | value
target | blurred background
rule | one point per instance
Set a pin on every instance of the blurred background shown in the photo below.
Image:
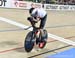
(64, 2)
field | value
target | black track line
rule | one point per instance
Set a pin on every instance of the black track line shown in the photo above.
(53, 49)
(59, 26)
(31, 26)
(49, 51)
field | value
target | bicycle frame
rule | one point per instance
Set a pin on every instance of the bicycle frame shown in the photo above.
(35, 37)
(36, 34)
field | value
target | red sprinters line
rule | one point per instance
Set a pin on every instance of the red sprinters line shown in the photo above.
(11, 49)
(23, 47)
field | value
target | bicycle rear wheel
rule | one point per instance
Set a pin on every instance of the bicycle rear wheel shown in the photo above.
(43, 39)
(29, 43)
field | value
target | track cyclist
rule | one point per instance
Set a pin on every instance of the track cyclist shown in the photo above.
(37, 14)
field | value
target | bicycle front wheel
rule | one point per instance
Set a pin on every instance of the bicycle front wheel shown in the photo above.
(29, 43)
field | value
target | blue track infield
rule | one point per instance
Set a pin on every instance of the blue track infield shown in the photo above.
(65, 54)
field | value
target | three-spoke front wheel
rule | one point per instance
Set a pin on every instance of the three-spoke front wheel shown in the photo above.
(29, 43)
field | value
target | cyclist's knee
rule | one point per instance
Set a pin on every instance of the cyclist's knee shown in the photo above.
(42, 33)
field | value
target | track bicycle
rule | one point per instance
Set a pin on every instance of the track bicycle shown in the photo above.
(36, 36)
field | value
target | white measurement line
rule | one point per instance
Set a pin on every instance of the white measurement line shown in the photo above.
(49, 34)
(14, 23)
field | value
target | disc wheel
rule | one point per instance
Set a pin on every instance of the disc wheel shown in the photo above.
(43, 40)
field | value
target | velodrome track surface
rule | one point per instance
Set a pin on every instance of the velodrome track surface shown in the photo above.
(60, 23)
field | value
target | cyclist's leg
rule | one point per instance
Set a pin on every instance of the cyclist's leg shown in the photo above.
(42, 24)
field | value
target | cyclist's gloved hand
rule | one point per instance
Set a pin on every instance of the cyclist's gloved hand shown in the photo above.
(34, 20)
(35, 17)
(30, 18)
